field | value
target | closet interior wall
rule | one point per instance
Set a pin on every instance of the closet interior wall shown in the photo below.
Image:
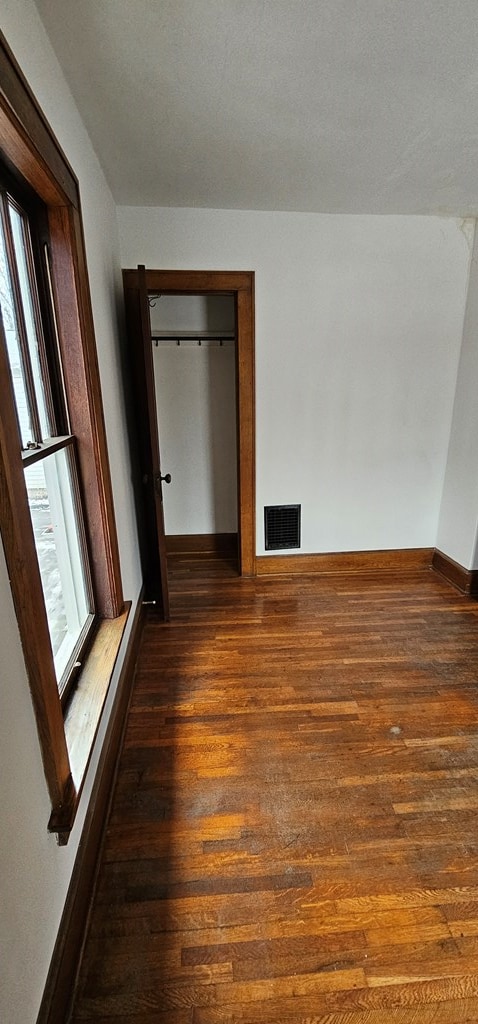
(195, 383)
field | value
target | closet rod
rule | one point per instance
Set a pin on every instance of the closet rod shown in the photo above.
(198, 338)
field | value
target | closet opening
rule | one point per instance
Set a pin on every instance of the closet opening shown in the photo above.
(191, 348)
(194, 363)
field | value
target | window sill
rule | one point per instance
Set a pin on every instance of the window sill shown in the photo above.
(84, 715)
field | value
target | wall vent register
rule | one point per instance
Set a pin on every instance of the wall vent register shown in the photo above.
(282, 527)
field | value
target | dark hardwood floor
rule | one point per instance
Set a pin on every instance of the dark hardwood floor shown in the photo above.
(294, 833)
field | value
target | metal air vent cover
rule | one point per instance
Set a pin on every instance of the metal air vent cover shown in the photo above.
(282, 527)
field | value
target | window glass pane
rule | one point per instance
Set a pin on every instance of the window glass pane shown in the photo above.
(11, 333)
(54, 516)
(20, 241)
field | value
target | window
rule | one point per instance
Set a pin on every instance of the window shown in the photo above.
(47, 446)
(56, 509)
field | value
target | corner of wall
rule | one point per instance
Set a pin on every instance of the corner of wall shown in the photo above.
(457, 522)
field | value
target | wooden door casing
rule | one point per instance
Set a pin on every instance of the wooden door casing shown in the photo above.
(239, 284)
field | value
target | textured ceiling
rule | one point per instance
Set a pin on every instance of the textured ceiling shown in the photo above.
(356, 106)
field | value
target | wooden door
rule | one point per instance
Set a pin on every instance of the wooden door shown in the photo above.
(152, 536)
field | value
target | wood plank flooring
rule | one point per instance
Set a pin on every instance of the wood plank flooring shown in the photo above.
(294, 833)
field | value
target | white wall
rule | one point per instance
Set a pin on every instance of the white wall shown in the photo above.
(195, 397)
(34, 871)
(458, 525)
(358, 330)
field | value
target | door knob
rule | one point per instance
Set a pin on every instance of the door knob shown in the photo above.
(157, 481)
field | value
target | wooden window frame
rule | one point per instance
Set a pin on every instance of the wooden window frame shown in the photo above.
(28, 145)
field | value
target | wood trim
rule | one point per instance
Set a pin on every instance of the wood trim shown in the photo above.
(30, 143)
(196, 282)
(246, 429)
(241, 285)
(465, 580)
(401, 560)
(84, 711)
(223, 544)
(16, 147)
(82, 382)
(65, 961)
